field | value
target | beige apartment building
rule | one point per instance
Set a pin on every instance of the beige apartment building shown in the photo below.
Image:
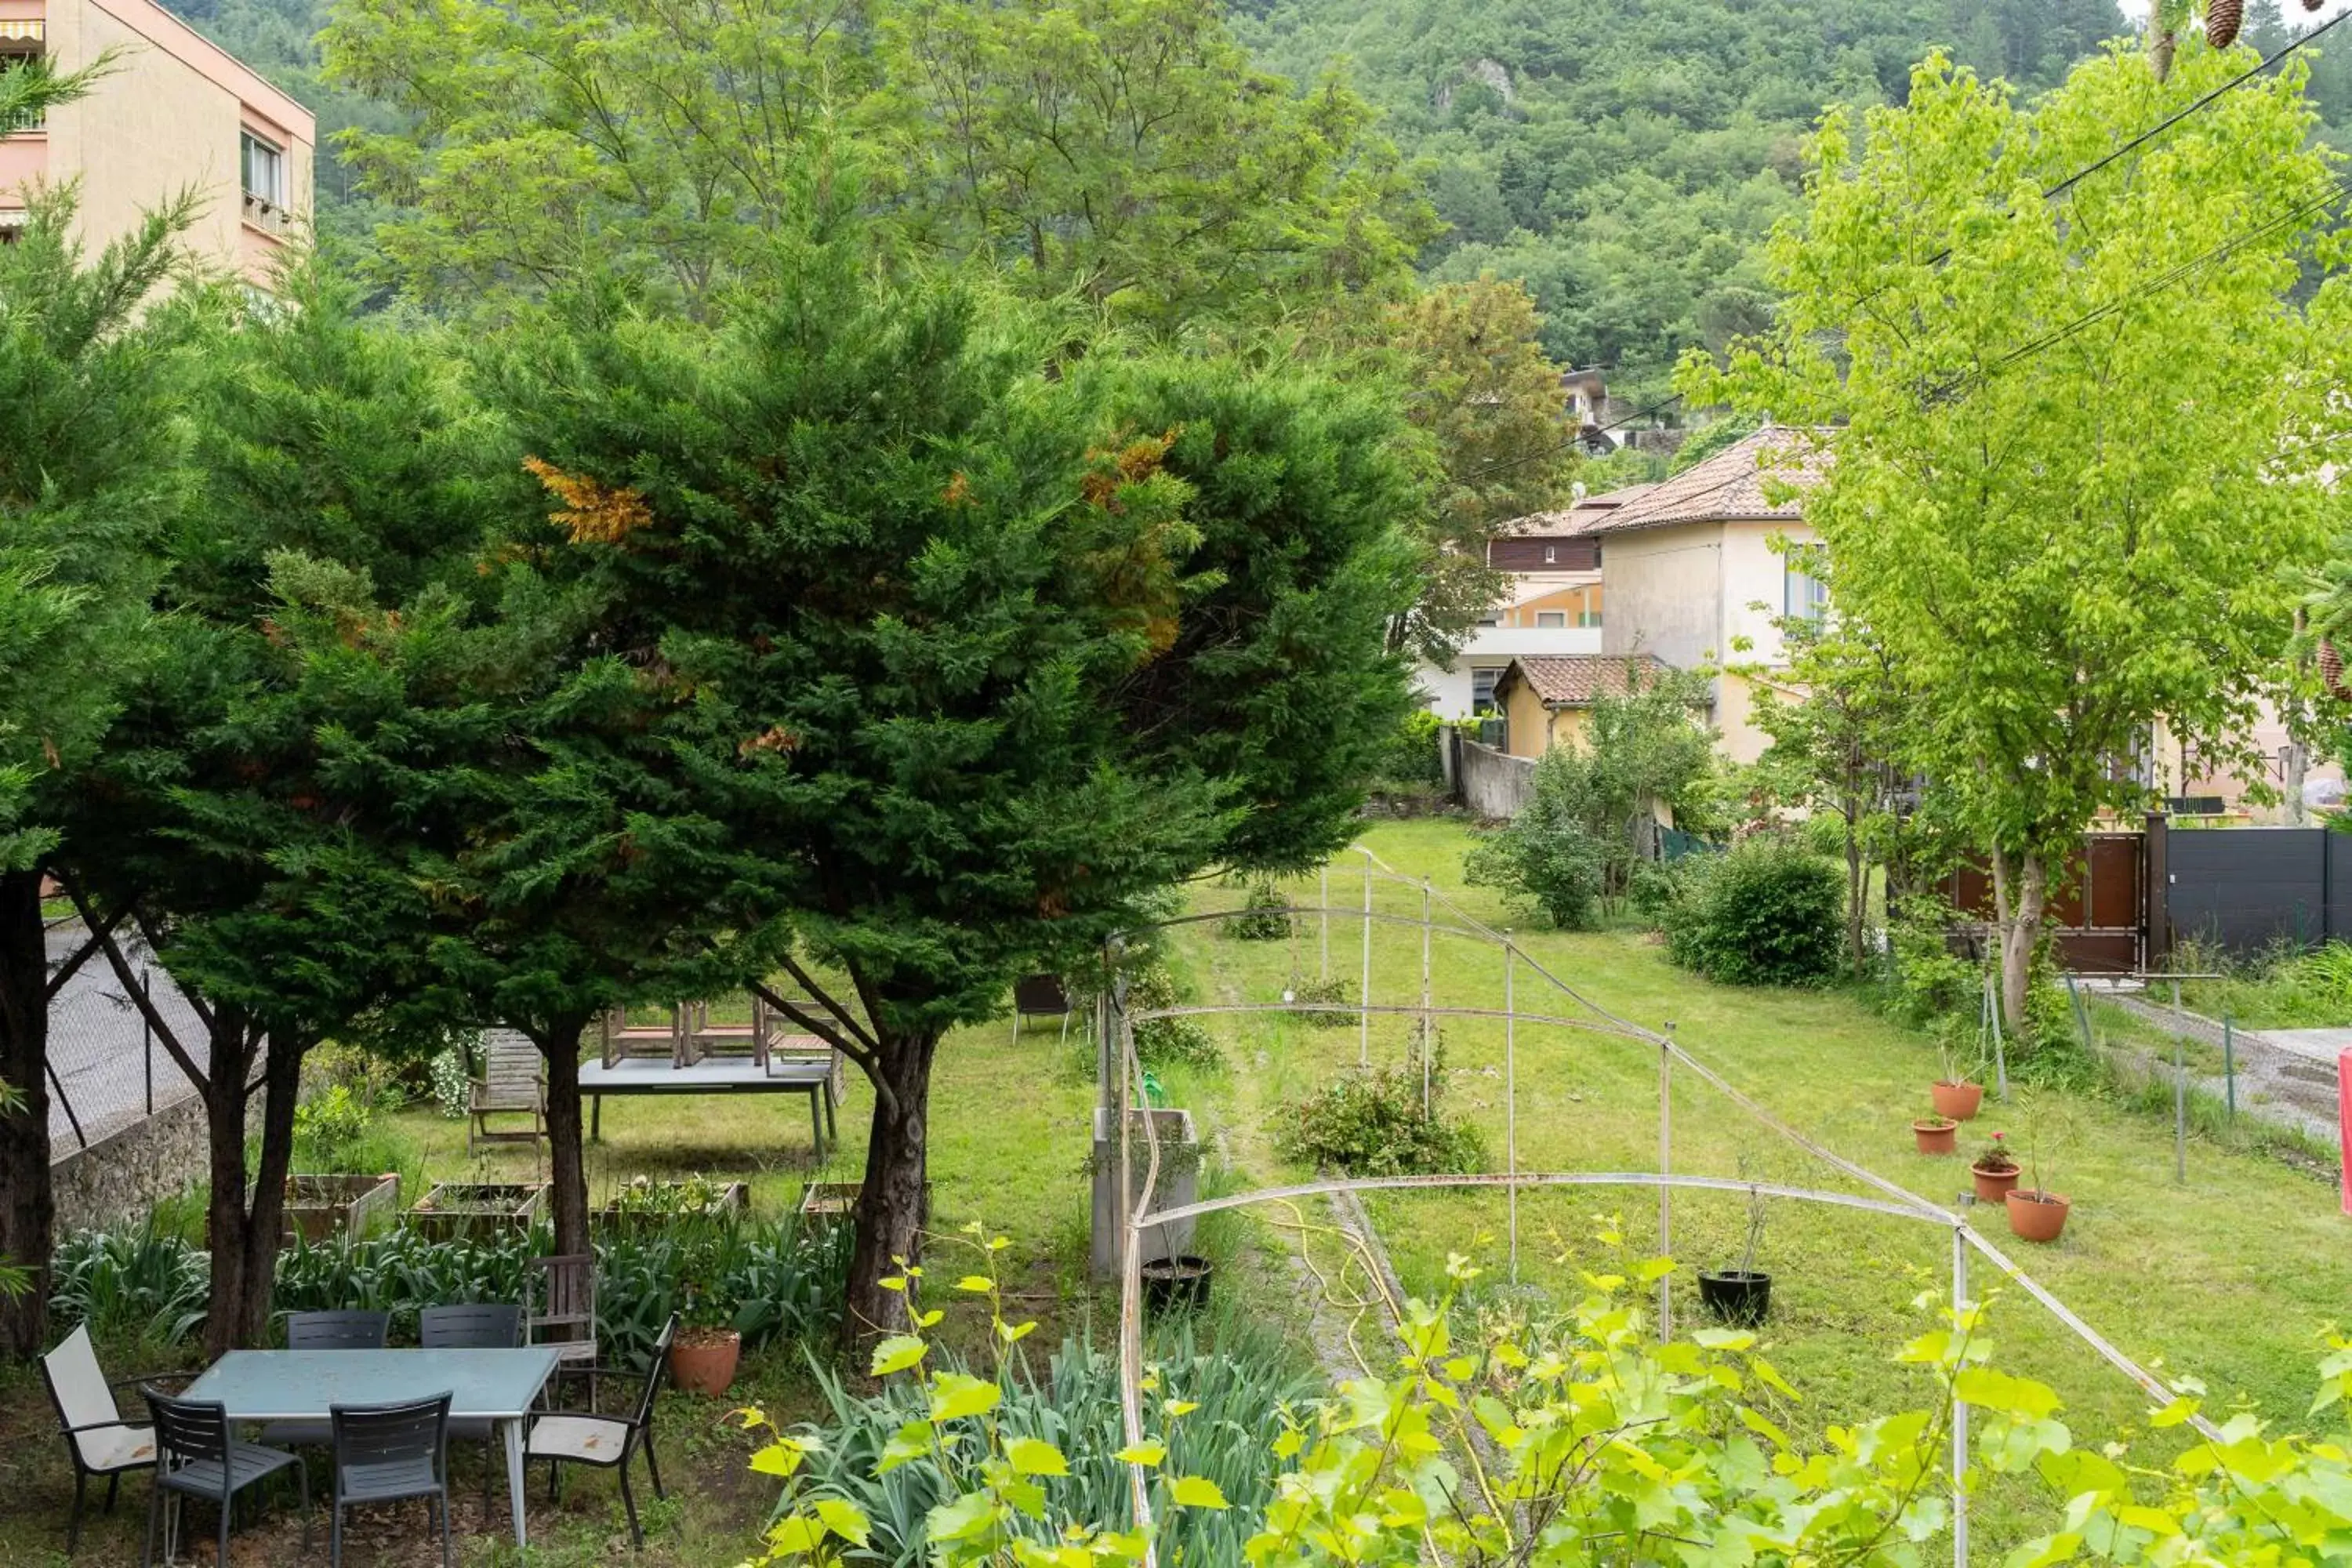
(176, 113)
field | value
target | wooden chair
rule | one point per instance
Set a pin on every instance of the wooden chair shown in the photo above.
(559, 1295)
(621, 1039)
(608, 1441)
(100, 1441)
(514, 1083)
(1040, 996)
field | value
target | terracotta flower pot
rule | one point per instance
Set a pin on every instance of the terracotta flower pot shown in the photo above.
(703, 1360)
(1993, 1186)
(2037, 1216)
(1936, 1137)
(1957, 1100)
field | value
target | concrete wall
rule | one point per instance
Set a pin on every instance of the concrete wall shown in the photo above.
(1665, 593)
(121, 1177)
(1493, 785)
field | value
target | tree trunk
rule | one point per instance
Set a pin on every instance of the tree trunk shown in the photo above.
(265, 1222)
(890, 1204)
(2020, 891)
(27, 1204)
(1856, 889)
(567, 1158)
(226, 1223)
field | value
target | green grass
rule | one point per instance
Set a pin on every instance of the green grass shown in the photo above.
(2232, 1277)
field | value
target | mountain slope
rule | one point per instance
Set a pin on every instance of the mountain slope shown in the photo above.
(1627, 157)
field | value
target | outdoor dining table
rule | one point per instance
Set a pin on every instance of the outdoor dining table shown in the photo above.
(497, 1385)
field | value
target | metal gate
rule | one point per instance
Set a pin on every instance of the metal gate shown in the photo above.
(2098, 911)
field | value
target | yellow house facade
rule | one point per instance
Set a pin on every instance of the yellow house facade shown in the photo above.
(1547, 702)
(175, 112)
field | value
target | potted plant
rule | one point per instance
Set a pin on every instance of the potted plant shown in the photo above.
(1956, 1093)
(1937, 1134)
(1742, 1297)
(1177, 1284)
(1994, 1171)
(2035, 1212)
(704, 1355)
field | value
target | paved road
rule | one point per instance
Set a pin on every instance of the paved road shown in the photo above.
(97, 1048)
(2285, 1076)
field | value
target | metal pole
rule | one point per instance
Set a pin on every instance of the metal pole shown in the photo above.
(147, 1035)
(1323, 902)
(1364, 997)
(1511, 1094)
(1999, 1051)
(2179, 1093)
(1666, 1193)
(1959, 1406)
(2230, 1065)
(1424, 996)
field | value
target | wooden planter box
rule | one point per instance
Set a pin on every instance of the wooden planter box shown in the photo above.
(318, 1207)
(830, 1201)
(464, 1211)
(734, 1200)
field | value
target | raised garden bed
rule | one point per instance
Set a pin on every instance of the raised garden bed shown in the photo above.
(318, 1207)
(650, 1205)
(830, 1201)
(467, 1211)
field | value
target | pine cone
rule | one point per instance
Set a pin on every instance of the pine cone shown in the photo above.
(2331, 670)
(2221, 20)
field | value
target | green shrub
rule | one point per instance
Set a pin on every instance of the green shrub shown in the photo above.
(1410, 759)
(1372, 1123)
(1544, 858)
(1768, 913)
(1265, 916)
(771, 1280)
(1167, 1042)
(1658, 888)
(1323, 994)
(1931, 980)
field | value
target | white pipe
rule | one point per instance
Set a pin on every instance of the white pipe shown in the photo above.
(1364, 1021)
(1511, 1099)
(1666, 1189)
(1960, 1406)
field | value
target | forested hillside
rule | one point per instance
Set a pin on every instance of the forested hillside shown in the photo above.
(1624, 157)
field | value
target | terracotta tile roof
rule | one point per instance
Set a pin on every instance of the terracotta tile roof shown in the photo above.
(1730, 485)
(1578, 519)
(1574, 680)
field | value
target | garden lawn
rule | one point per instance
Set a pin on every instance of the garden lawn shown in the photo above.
(2232, 1278)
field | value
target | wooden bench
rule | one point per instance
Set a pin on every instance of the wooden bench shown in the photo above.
(514, 1083)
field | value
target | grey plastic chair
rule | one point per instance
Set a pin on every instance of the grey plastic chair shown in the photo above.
(196, 1457)
(325, 1331)
(608, 1442)
(390, 1453)
(485, 1328)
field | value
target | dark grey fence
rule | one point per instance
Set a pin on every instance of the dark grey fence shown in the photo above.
(2248, 888)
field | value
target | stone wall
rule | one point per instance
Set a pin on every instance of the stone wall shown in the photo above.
(1492, 784)
(118, 1178)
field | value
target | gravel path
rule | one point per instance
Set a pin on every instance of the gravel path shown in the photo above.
(2284, 1075)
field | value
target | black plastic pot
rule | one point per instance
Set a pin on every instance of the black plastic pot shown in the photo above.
(1742, 1298)
(1178, 1284)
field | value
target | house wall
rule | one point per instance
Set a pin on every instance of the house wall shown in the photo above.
(1575, 600)
(168, 119)
(1447, 693)
(1665, 593)
(1537, 553)
(1527, 728)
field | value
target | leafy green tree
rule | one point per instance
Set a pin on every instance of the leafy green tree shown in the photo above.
(1123, 150)
(233, 818)
(1489, 399)
(90, 367)
(1573, 846)
(956, 646)
(2056, 532)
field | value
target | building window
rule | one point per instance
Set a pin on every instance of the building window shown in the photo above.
(1551, 554)
(1482, 689)
(1552, 620)
(1802, 594)
(264, 170)
(1588, 618)
(26, 119)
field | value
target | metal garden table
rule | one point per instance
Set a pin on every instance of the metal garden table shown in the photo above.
(497, 1385)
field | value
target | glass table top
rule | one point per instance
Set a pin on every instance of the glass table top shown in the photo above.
(277, 1385)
